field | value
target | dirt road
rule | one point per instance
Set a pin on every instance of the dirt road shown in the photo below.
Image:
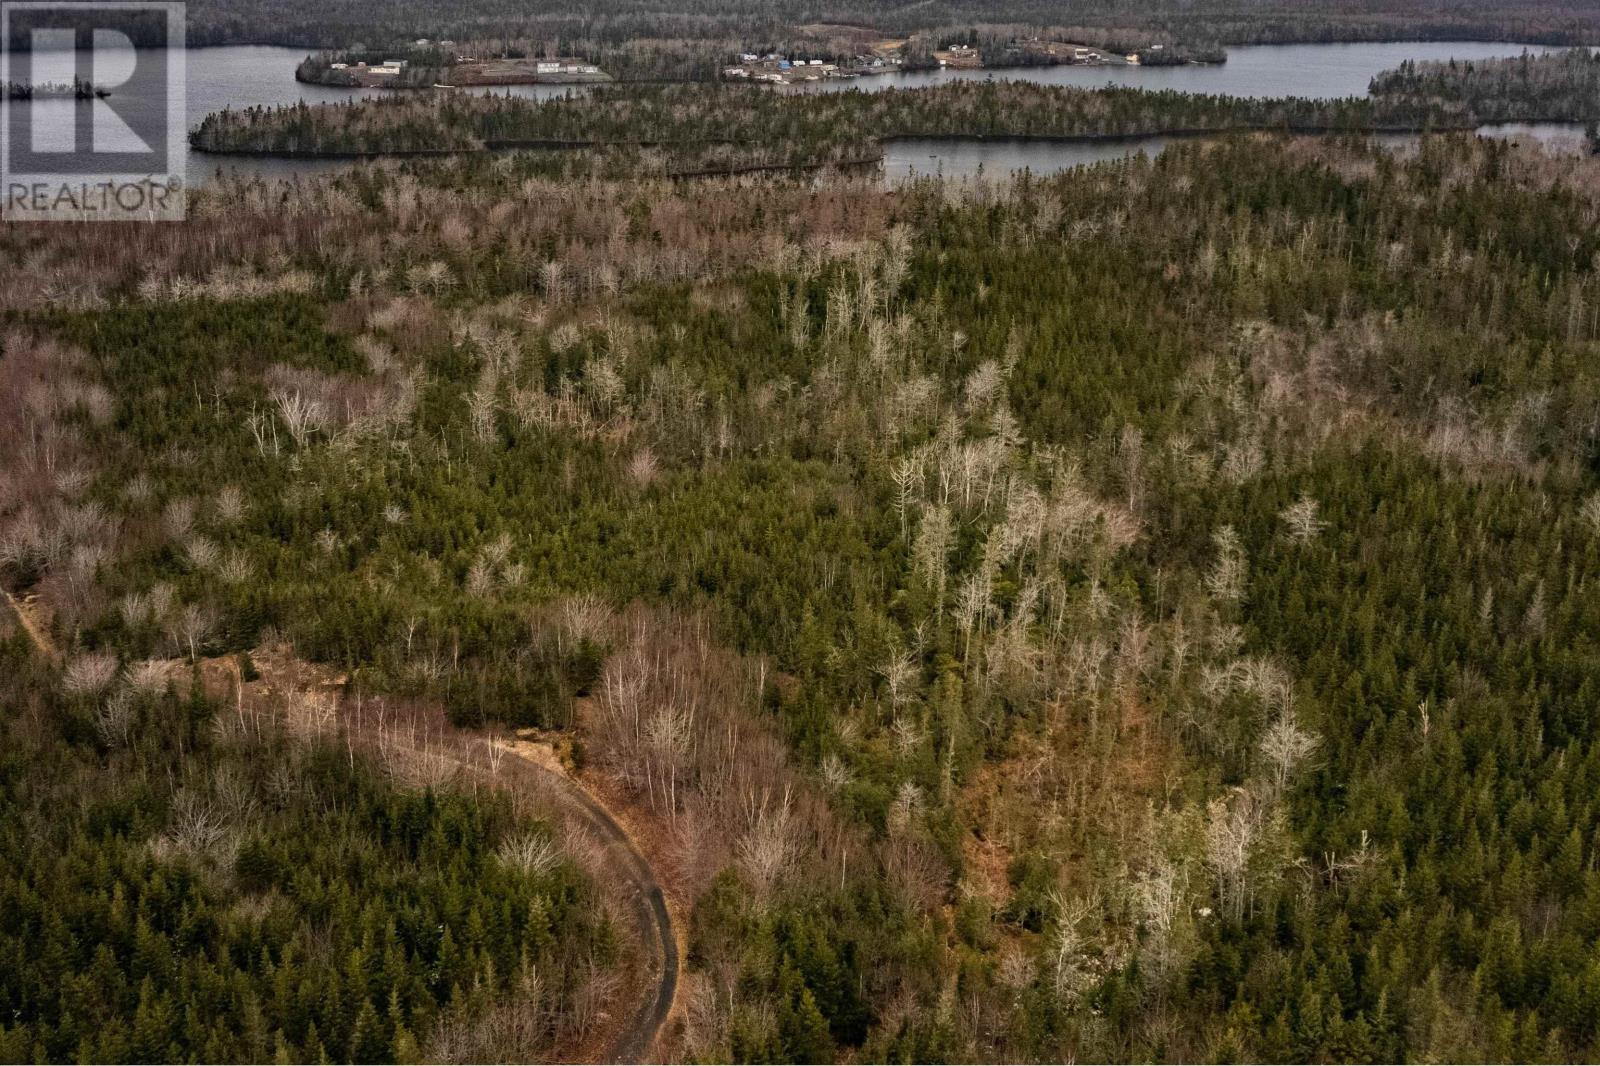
(633, 875)
(41, 642)
(638, 1036)
(653, 921)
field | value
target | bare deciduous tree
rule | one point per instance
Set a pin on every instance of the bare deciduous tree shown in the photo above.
(1590, 511)
(1160, 900)
(899, 675)
(1070, 974)
(191, 628)
(113, 720)
(586, 617)
(300, 415)
(198, 828)
(1301, 519)
(230, 505)
(1225, 581)
(907, 478)
(177, 518)
(642, 468)
(1285, 746)
(765, 850)
(1232, 825)
(90, 673)
(835, 774)
(534, 854)
(202, 553)
(983, 385)
(480, 579)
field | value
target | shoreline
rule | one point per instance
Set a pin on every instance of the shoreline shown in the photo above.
(1485, 38)
(569, 82)
(492, 147)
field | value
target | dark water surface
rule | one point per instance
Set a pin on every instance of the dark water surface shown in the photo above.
(260, 76)
(909, 158)
(1320, 71)
(241, 77)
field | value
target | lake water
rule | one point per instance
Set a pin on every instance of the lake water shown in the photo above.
(909, 158)
(250, 76)
(1557, 138)
(1320, 71)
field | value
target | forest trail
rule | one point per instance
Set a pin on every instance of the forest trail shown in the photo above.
(634, 1043)
(627, 874)
(631, 876)
(36, 634)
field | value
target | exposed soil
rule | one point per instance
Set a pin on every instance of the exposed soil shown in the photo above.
(531, 765)
(37, 631)
(647, 901)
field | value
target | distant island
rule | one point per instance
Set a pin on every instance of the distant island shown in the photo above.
(964, 51)
(810, 54)
(444, 64)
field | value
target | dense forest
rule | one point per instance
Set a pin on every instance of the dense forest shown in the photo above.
(657, 60)
(614, 23)
(797, 126)
(1557, 87)
(636, 60)
(1142, 613)
(183, 881)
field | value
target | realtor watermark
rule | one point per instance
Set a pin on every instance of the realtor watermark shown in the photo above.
(92, 125)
